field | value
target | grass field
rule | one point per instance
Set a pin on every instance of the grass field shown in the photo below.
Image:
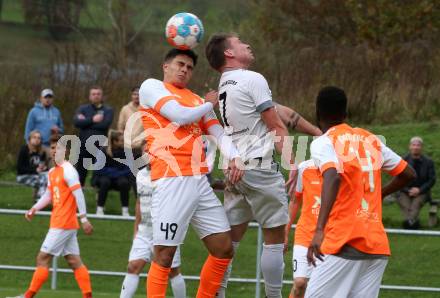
(414, 261)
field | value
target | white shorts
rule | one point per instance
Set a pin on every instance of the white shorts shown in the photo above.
(338, 278)
(178, 201)
(142, 249)
(260, 195)
(301, 267)
(60, 242)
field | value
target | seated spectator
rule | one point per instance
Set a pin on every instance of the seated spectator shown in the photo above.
(32, 164)
(412, 198)
(114, 175)
(45, 118)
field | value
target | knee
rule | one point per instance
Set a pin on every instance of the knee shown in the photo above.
(300, 286)
(226, 252)
(135, 267)
(74, 262)
(43, 259)
(164, 255)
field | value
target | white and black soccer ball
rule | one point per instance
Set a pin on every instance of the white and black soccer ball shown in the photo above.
(184, 31)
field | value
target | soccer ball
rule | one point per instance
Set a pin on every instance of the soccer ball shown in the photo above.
(184, 31)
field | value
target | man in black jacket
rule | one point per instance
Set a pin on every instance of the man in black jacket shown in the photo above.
(412, 197)
(91, 119)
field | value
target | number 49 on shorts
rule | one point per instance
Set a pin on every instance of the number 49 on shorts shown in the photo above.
(169, 228)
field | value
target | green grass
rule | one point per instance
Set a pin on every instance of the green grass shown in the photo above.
(414, 259)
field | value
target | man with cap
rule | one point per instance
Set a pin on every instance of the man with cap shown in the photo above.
(412, 198)
(45, 118)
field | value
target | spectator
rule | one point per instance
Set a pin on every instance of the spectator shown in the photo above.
(45, 118)
(114, 175)
(32, 164)
(91, 119)
(137, 128)
(413, 197)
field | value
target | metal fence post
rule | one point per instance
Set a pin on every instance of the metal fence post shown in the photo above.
(53, 284)
(258, 265)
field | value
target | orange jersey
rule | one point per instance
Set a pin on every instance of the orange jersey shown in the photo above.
(308, 188)
(377, 157)
(62, 181)
(173, 150)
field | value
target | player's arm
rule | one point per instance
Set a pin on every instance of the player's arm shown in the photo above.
(294, 120)
(273, 122)
(325, 158)
(395, 166)
(72, 181)
(294, 205)
(137, 219)
(45, 200)
(153, 94)
(226, 146)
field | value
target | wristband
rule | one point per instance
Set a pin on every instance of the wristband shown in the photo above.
(84, 219)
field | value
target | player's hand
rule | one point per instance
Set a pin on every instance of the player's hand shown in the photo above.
(212, 97)
(87, 228)
(315, 248)
(98, 118)
(414, 191)
(235, 170)
(30, 214)
(291, 182)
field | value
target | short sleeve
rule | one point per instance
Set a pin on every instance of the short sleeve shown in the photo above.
(153, 94)
(260, 92)
(323, 154)
(299, 180)
(392, 162)
(71, 177)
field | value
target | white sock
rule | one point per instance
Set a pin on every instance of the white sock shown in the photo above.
(129, 286)
(99, 210)
(272, 267)
(222, 290)
(178, 286)
(125, 211)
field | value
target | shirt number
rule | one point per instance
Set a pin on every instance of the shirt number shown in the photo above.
(222, 97)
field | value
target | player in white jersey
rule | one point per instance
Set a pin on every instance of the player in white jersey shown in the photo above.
(250, 118)
(141, 251)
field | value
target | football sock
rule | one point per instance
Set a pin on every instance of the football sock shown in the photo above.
(129, 286)
(178, 286)
(272, 267)
(157, 281)
(222, 290)
(83, 279)
(38, 279)
(211, 276)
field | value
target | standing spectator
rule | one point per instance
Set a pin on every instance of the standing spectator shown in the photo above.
(32, 164)
(114, 175)
(91, 119)
(45, 118)
(414, 196)
(136, 129)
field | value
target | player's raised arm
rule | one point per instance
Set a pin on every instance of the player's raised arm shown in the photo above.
(45, 200)
(294, 120)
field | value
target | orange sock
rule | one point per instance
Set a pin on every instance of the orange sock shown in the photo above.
(157, 281)
(211, 276)
(38, 279)
(83, 279)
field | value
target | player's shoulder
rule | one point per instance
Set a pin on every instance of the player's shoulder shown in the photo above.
(68, 167)
(151, 83)
(321, 140)
(253, 76)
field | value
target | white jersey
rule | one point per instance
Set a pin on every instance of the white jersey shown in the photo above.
(243, 95)
(145, 190)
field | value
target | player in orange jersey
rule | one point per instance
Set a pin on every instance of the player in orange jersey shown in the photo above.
(175, 120)
(65, 193)
(308, 198)
(348, 161)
